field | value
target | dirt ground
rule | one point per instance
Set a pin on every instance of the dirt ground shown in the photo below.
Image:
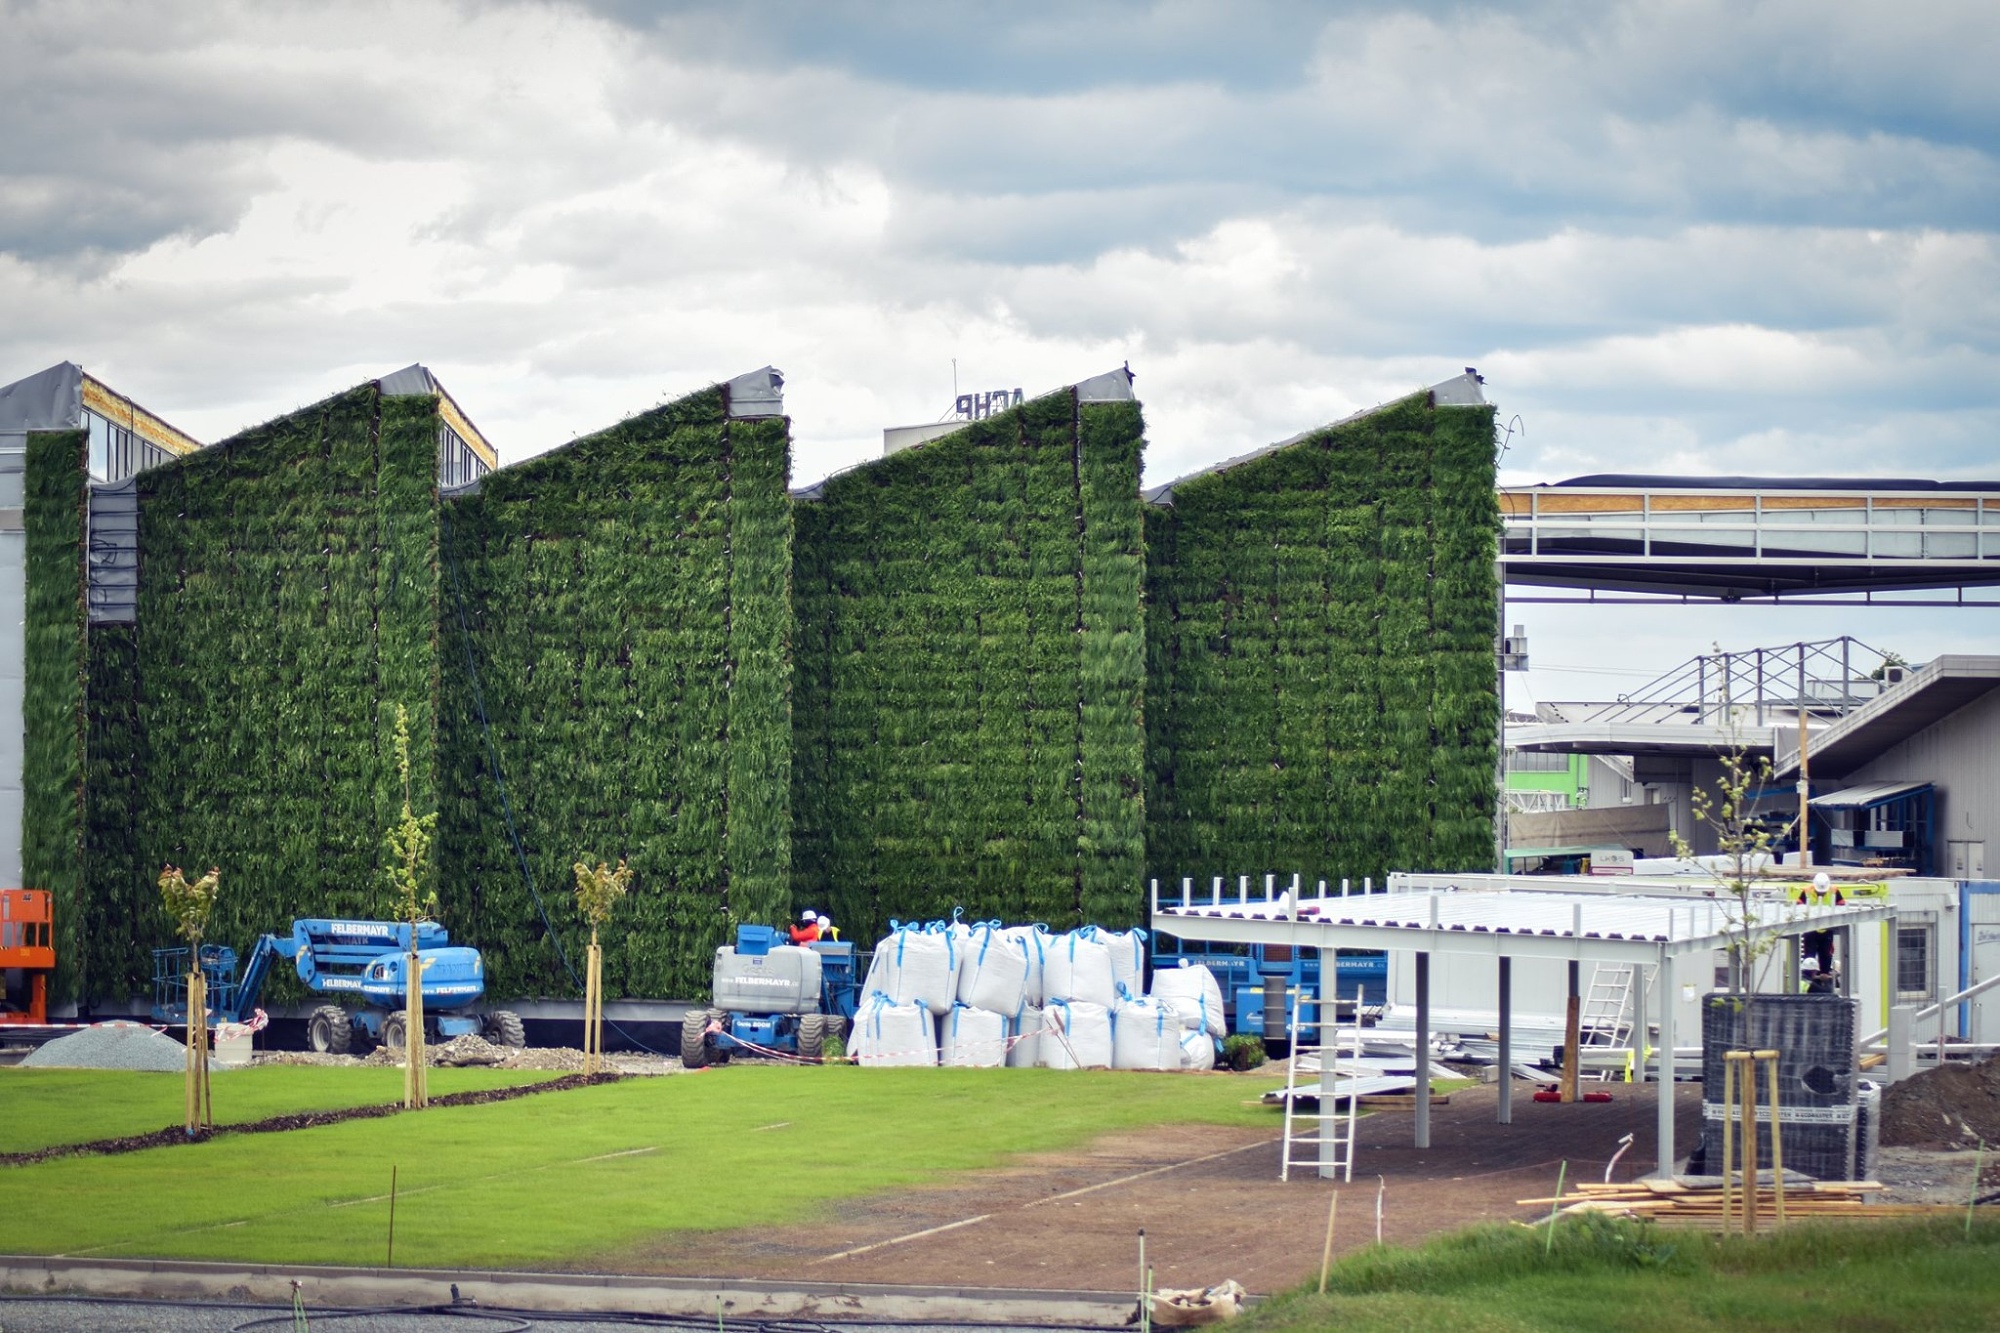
(1208, 1198)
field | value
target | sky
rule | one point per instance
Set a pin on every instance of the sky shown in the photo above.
(1675, 236)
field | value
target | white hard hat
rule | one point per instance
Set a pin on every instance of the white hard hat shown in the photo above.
(1822, 880)
(807, 915)
(823, 920)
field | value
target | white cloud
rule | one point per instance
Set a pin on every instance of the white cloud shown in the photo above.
(1696, 235)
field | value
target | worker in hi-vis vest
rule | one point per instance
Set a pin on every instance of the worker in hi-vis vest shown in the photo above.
(827, 930)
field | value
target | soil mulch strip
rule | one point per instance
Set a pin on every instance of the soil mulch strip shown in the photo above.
(278, 1124)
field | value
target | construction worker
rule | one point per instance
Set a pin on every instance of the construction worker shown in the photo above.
(827, 930)
(807, 930)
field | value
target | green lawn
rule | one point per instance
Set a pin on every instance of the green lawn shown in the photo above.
(40, 1108)
(1625, 1274)
(560, 1179)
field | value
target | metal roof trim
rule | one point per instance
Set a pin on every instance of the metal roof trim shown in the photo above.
(1869, 794)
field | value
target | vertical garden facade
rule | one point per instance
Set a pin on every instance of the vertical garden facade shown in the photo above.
(968, 726)
(982, 675)
(245, 717)
(1320, 687)
(616, 665)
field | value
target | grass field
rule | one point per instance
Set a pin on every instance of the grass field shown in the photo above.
(45, 1107)
(558, 1179)
(1603, 1273)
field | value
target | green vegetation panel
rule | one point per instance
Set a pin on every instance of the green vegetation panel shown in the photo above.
(1934, 1275)
(615, 653)
(52, 764)
(646, 1156)
(287, 605)
(969, 667)
(1320, 674)
(47, 1107)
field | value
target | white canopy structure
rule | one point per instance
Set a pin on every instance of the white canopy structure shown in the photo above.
(1508, 923)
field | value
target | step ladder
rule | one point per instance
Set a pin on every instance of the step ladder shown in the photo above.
(1607, 1017)
(1604, 1019)
(1323, 1140)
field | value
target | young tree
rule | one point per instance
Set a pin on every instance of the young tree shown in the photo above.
(189, 906)
(598, 889)
(1743, 840)
(409, 840)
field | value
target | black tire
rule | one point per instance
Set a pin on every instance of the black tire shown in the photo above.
(504, 1028)
(329, 1030)
(812, 1035)
(694, 1039)
(836, 1027)
(717, 1055)
(396, 1031)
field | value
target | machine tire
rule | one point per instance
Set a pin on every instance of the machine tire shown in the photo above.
(836, 1026)
(329, 1030)
(717, 1055)
(812, 1035)
(396, 1031)
(694, 1041)
(504, 1028)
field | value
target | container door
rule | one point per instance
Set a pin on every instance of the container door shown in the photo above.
(1982, 929)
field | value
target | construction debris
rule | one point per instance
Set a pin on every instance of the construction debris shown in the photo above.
(1196, 1306)
(1697, 1201)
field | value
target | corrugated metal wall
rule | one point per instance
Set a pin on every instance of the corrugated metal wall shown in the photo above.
(1961, 754)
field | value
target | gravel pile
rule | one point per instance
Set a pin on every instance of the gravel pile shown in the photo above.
(114, 1046)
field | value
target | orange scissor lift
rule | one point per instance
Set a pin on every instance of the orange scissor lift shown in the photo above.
(27, 957)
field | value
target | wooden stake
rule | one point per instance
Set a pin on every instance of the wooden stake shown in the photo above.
(1326, 1255)
(1572, 1030)
(1770, 1059)
(1747, 1085)
(1805, 799)
(392, 1218)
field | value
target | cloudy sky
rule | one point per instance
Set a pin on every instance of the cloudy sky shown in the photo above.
(1674, 235)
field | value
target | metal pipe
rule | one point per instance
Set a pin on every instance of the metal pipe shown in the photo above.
(1506, 1116)
(1664, 1112)
(1423, 1089)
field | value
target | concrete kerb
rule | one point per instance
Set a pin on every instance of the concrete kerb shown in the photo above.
(579, 1293)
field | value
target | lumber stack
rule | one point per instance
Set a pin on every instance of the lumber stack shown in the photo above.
(1698, 1204)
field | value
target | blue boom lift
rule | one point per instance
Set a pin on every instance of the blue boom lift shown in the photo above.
(774, 996)
(361, 959)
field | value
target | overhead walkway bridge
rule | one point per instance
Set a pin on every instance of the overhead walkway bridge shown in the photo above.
(1624, 538)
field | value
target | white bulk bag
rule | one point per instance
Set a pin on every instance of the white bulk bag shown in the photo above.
(1193, 994)
(917, 963)
(887, 1033)
(1076, 1035)
(1026, 1051)
(1128, 957)
(1145, 1035)
(992, 970)
(1078, 969)
(972, 1038)
(1197, 1049)
(1035, 944)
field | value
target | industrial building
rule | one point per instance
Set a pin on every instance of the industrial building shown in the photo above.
(122, 438)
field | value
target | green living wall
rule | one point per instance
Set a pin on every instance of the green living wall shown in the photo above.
(617, 679)
(967, 726)
(52, 692)
(287, 604)
(1320, 670)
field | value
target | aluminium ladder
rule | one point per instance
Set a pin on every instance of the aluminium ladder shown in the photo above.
(1323, 1139)
(1607, 1017)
